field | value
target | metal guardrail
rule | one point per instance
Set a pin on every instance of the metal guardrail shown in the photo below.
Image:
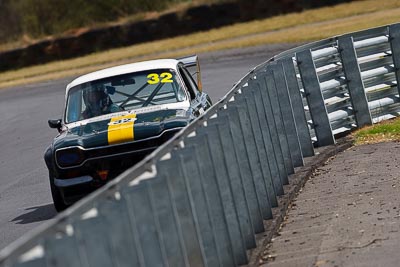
(200, 198)
(357, 75)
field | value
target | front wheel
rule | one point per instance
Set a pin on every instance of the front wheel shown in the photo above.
(58, 200)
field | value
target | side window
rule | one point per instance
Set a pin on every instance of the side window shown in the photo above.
(74, 106)
(189, 82)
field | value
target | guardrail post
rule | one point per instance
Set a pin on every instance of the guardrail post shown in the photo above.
(214, 200)
(354, 81)
(121, 239)
(265, 200)
(394, 38)
(62, 252)
(144, 226)
(315, 100)
(260, 142)
(172, 170)
(298, 108)
(254, 84)
(233, 171)
(272, 127)
(188, 161)
(249, 185)
(248, 106)
(171, 232)
(93, 247)
(277, 115)
(287, 115)
(225, 191)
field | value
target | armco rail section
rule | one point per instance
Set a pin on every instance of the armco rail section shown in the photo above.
(200, 199)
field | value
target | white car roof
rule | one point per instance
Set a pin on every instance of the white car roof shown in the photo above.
(123, 69)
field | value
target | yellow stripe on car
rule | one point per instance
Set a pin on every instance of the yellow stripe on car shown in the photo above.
(120, 129)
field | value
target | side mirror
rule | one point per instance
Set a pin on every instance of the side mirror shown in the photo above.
(55, 124)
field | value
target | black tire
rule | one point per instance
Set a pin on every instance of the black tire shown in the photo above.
(58, 200)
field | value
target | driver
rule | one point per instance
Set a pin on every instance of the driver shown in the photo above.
(97, 102)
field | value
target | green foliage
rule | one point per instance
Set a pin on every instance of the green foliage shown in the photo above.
(384, 131)
(37, 18)
(9, 23)
(386, 128)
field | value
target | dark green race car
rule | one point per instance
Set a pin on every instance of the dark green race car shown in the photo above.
(114, 117)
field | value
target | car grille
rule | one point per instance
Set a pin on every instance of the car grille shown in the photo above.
(132, 151)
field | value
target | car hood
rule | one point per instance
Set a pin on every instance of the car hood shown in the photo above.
(121, 127)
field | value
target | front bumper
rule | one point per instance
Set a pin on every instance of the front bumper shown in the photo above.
(76, 188)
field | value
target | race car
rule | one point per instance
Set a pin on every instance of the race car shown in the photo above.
(114, 117)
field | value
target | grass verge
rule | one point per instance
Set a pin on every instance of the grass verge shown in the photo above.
(383, 132)
(297, 27)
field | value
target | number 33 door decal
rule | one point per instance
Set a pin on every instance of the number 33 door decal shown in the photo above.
(154, 78)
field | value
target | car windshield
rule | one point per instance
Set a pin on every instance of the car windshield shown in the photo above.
(123, 92)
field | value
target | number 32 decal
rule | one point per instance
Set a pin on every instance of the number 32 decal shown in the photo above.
(154, 78)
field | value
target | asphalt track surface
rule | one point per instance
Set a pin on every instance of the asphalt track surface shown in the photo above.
(25, 199)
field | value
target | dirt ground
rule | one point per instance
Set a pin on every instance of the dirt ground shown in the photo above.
(347, 214)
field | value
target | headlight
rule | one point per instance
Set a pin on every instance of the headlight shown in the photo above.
(69, 157)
